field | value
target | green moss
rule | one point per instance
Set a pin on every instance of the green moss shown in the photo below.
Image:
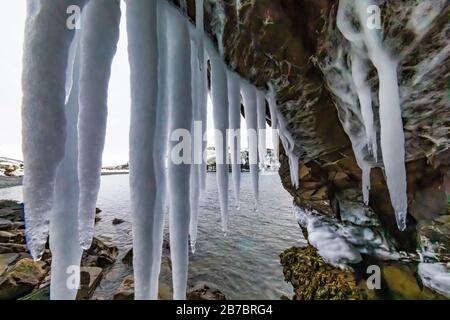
(313, 279)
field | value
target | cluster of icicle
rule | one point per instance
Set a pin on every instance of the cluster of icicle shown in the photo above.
(65, 85)
(367, 49)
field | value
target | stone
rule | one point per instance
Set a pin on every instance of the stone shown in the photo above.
(117, 221)
(23, 277)
(126, 289)
(313, 279)
(402, 282)
(204, 291)
(12, 248)
(5, 260)
(90, 278)
(100, 254)
(5, 224)
(14, 236)
(434, 239)
(128, 258)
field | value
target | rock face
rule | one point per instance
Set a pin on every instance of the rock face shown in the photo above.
(296, 46)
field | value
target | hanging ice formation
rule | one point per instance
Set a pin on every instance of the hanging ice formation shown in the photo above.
(285, 136)
(98, 46)
(249, 98)
(367, 46)
(64, 238)
(261, 115)
(64, 121)
(234, 101)
(219, 93)
(44, 121)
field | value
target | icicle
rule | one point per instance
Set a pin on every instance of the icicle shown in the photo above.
(200, 31)
(180, 115)
(234, 99)
(261, 115)
(391, 125)
(365, 182)
(249, 98)
(43, 118)
(359, 73)
(143, 57)
(288, 145)
(197, 149)
(219, 94)
(98, 47)
(203, 106)
(64, 238)
(160, 150)
(218, 24)
(271, 98)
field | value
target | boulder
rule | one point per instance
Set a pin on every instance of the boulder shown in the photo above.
(117, 221)
(100, 254)
(313, 279)
(21, 279)
(434, 239)
(6, 259)
(126, 289)
(204, 291)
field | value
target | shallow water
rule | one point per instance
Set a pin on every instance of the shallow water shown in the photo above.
(244, 264)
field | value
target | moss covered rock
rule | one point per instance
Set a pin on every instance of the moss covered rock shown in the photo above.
(313, 279)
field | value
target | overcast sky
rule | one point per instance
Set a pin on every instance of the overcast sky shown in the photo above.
(12, 18)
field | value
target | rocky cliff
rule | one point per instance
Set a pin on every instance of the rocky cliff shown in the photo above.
(297, 46)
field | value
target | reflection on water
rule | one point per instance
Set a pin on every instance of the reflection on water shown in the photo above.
(243, 265)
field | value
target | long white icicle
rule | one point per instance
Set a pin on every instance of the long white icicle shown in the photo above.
(261, 115)
(98, 47)
(180, 115)
(43, 118)
(64, 237)
(143, 57)
(234, 100)
(197, 147)
(219, 92)
(249, 97)
(391, 125)
(160, 150)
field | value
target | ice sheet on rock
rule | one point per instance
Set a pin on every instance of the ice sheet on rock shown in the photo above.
(143, 58)
(180, 115)
(248, 92)
(43, 118)
(342, 243)
(261, 115)
(64, 237)
(98, 46)
(436, 276)
(332, 247)
(234, 99)
(219, 92)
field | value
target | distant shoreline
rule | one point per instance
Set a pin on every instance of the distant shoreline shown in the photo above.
(9, 182)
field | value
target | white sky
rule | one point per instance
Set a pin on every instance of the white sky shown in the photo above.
(12, 20)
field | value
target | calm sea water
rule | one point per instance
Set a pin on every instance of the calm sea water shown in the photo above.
(244, 264)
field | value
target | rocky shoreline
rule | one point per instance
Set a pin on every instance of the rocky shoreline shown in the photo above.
(24, 279)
